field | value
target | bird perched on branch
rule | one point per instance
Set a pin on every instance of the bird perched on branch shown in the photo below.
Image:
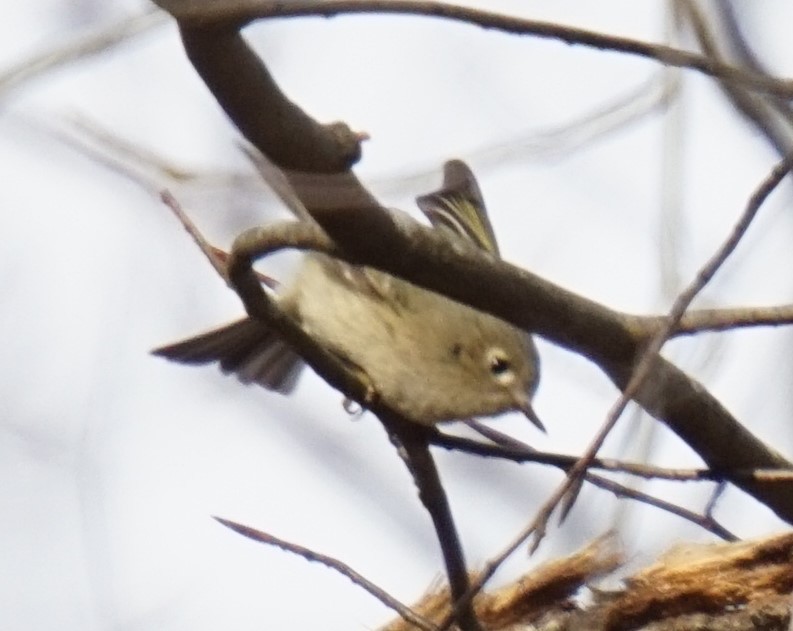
(427, 356)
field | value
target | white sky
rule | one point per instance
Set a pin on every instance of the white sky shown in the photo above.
(112, 461)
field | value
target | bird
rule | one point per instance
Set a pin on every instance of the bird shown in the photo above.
(425, 355)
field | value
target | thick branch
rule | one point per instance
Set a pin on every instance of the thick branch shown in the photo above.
(408, 249)
(264, 115)
(404, 248)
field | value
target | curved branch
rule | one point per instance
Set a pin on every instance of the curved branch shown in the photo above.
(263, 113)
(395, 244)
(199, 13)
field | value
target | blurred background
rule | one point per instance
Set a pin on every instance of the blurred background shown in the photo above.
(604, 173)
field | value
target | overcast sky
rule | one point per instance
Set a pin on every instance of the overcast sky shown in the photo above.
(112, 461)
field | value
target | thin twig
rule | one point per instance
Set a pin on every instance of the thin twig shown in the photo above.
(769, 114)
(772, 475)
(217, 258)
(704, 521)
(713, 320)
(118, 150)
(227, 12)
(412, 444)
(511, 449)
(210, 252)
(141, 166)
(583, 130)
(342, 568)
(717, 494)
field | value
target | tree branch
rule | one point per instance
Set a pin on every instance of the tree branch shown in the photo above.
(345, 210)
(715, 320)
(239, 12)
(413, 445)
(342, 568)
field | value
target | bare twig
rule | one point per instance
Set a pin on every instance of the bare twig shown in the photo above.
(705, 521)
(240, 12)
(508, 448)
(653, 95)
(412, 443)
(209, 251)
(717, 494)
(773, 475)
(136, 163)
(713, 320)
(217, 258)
(342, 568)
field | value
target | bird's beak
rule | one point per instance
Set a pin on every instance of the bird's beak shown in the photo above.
(528, 411)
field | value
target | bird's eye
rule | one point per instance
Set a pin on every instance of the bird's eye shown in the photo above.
(499, 365)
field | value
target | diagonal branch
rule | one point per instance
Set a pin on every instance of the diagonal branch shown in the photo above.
(608, 338)
(342, 568)
(395, 244)
(412, 443)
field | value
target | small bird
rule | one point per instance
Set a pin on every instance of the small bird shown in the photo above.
(426, 356)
